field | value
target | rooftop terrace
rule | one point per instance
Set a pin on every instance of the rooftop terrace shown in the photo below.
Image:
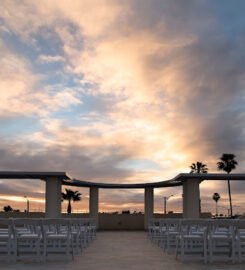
(122, 250)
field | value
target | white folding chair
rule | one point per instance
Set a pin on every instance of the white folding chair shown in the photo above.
(172, 234)
(153, 230)
(192, 240)
(221, 240)
(79, 235)
(88, 230)
(92, 228)
(57, 238)
(240, 240)
(161, 237)
(164, 232)
(27, 237)
(7, 242)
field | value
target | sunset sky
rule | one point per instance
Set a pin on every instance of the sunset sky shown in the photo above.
(121, 91)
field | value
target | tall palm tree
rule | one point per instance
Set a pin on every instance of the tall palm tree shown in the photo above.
(216, 198)
(198, 167)
(69, 196)
(227, 164)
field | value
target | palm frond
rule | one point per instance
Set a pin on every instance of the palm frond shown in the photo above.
(198, 167)
(227, 163)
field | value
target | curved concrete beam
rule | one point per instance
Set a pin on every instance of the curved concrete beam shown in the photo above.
(176, 181)
(79, 183)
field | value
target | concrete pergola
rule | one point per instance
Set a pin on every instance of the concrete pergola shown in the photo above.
(55, 180)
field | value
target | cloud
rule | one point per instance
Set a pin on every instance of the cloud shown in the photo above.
(79, 161)
(168, 78)
(16, 80)
(21, 91)
(50, 58)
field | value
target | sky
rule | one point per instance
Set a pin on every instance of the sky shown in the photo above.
(121, 92)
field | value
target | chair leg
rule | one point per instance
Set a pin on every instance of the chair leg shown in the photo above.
(182, 247)
(239, 247)
(9, 246)
(205, 257)
(44, 250)
(38, 250)
(233, 255)
(210, 250)
(177, 249)
(15, 250)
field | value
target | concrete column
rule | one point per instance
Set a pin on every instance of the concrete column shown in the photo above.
(53, 198)
(94, 204)
(149, 206)
(191, 198)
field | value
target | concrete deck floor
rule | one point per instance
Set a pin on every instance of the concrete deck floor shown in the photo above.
(121, 250)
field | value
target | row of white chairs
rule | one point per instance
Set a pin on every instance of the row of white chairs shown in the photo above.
(42, 239)
(200, 239)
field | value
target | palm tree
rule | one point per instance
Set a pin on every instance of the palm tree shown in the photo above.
(216, 198)
(227, 164)
(198, 167)
(69, 196)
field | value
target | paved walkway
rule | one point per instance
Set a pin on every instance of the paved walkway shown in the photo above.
(121, 251)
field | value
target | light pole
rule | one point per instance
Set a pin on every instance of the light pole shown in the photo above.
(27, 204)
(165, 199)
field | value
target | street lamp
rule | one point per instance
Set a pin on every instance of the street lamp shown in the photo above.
(165, 199)
(27, 204)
